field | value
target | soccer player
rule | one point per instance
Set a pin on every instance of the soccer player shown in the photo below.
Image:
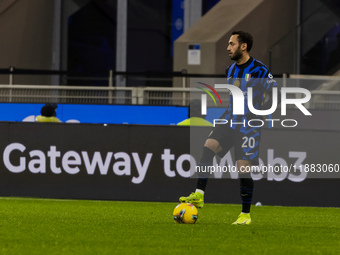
(245, 72)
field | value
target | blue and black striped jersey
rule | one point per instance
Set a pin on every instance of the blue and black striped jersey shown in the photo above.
(253, 74)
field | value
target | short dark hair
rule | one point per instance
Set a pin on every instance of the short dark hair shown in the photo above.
(244, 37)
(49, 110)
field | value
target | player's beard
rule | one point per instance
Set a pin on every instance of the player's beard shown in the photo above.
(237, 54)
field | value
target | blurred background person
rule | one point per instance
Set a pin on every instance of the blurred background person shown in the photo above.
(48, 114)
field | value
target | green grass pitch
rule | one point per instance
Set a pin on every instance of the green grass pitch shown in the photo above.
(47, 226)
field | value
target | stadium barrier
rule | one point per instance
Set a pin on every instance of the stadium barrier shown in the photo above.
(151, 163)
(325, 94)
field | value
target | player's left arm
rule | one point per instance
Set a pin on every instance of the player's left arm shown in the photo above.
(268, 83)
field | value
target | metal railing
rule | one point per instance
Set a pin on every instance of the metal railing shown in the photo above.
(325, 92)
(16, 76)
(329, 100)
(65, 94)
(96, 95)
(325, 100)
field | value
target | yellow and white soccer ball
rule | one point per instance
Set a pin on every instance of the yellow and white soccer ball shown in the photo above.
(185, 213)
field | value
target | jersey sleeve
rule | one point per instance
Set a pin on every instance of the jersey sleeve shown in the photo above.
(268, 81)
(268, 84)
(227, 71)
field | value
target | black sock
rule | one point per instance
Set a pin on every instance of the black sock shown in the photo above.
(206, 160)
(201, 183)
(246, 190)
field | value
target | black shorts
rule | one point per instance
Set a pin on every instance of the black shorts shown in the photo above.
(246, 145)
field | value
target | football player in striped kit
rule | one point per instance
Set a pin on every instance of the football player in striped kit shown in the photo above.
(245, 72)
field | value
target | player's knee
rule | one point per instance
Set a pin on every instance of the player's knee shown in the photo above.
(213, 145)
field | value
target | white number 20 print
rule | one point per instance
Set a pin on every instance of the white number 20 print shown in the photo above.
(248, 142)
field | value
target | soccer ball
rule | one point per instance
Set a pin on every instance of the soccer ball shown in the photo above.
(185, 213)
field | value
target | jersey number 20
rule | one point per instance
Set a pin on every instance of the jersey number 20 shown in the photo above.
(248, 142)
